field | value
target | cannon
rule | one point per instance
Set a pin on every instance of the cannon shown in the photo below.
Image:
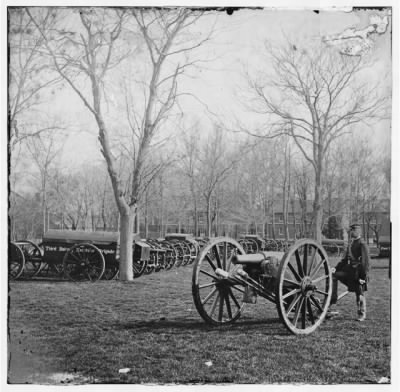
(78, 255)
(298, 282)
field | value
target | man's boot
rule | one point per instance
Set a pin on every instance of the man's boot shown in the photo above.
(362, 308)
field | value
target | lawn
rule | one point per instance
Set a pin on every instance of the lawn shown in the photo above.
(62, 332)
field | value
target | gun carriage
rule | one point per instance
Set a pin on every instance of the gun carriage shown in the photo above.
(253, 243)
(78, 255)
(298, 282)
(158, 256)
(187, 247)
(384, 246)
(249, 244)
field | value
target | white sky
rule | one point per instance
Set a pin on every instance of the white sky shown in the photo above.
(238, 42)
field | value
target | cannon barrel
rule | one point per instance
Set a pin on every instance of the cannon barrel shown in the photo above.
(255, 258)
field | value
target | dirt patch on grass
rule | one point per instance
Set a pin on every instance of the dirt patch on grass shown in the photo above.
(27, 368)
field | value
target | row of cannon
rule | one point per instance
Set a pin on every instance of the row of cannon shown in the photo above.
(80, 256)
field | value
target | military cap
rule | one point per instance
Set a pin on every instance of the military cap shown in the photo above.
(355, 226)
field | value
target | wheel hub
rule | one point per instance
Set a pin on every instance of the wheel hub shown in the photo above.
(221, 283)
(307, 286)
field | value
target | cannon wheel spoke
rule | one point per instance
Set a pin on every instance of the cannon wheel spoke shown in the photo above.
(111, 271)
(217, 300)
(84, 262)
(16, 261)
(187, 253)
(33, 258)
(209, 296)
(234, 299)
(138, 267)
(304, 287)
(179, 254)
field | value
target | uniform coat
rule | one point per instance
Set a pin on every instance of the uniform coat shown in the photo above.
(354, 266)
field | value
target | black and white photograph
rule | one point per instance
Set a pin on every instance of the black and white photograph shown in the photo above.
(199, 195)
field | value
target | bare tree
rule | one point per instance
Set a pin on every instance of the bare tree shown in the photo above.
(315, 95)
(303, 185)
(30, 75)
(217, 162)
(91, 51)
(44, 150)
(82, 199)
(190, 168)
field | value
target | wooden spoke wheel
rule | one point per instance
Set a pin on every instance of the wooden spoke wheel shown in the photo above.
(83, 262)
(217, 299)
(201, 243)
(253, 246)
(139, 267)
(170, 256)
(279, 245)
(186, 252)
(162, 260)
(245, 245)
(53, 270)
(271, 245)
(304, 287)
(157, 264)
(194, 250)
(179, 252)
(151, 264)
(16, 261)
(110, 271)
(33, 258)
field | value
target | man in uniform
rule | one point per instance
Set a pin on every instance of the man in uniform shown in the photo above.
(353, 270)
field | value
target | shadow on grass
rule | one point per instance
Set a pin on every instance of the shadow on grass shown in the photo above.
(380, 267)
(43, 279)
(61, 279)
(272, 326)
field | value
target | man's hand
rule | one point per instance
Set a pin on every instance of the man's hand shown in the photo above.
(361, 281)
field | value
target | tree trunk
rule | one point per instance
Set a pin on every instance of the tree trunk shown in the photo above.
(146, 225)
(196, 220)
(208, 234)
(44, 203)
(161, 210)
(317, 208)
(146, 216)
(293, 203)
(127, 219)
(284, 212)
(273, 221)
(216, 219)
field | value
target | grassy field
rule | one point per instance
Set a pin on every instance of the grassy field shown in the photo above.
(62, 332)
